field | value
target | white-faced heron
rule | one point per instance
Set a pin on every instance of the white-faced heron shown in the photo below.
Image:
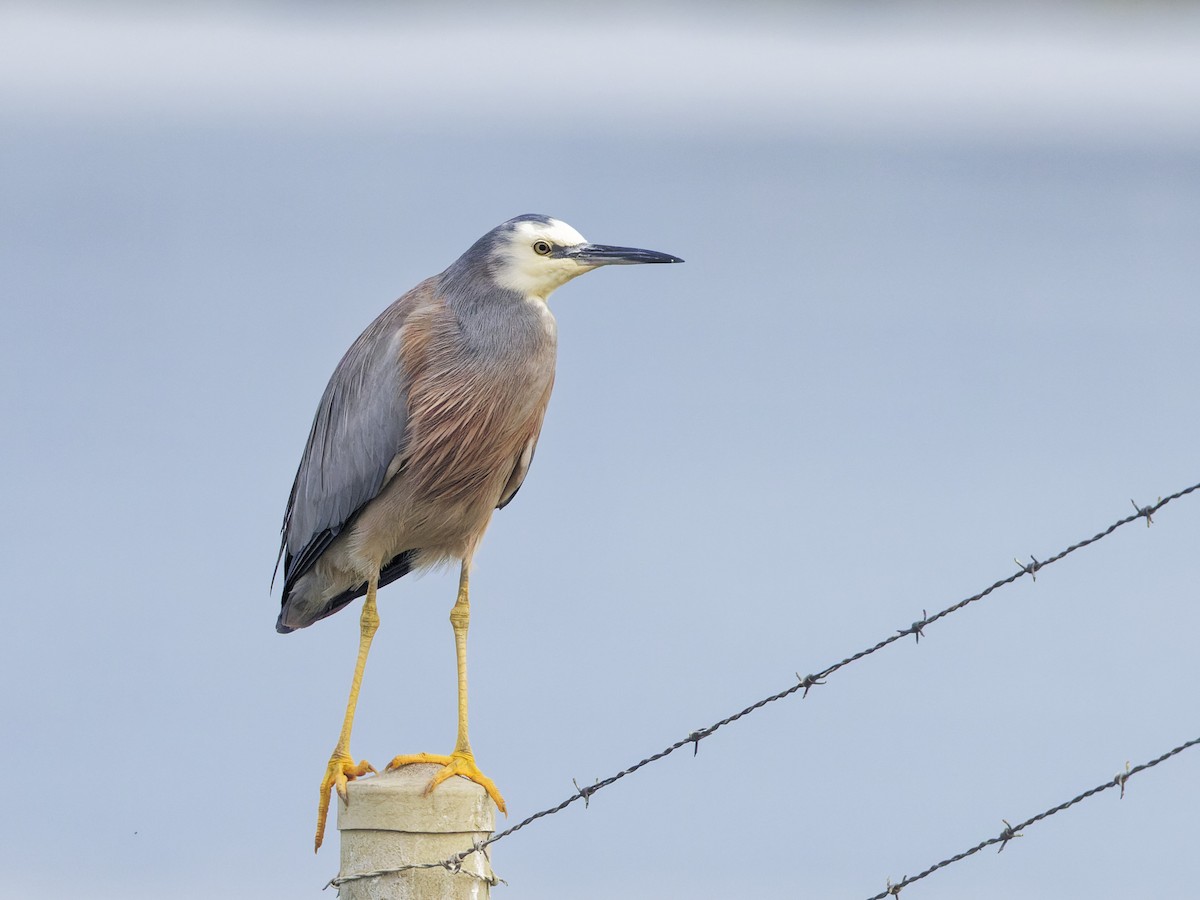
(428, 424)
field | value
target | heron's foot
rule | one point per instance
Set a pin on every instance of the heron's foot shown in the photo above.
(460, 762)
(338, 773)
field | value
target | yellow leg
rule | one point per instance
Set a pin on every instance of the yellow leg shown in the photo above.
(341, 768)
(462, 760)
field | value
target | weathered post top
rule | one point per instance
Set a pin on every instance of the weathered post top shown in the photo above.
(390, 822)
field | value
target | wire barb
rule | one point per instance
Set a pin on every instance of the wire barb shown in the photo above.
(1147, 511)
(1031, 569)
(808, 682)
(916, 628)
(584, 792)
(1007, 835)
(1121, 778)
(697, 736)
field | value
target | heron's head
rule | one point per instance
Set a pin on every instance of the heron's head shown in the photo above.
(534, 254)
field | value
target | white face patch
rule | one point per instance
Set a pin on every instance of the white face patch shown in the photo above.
(555, 231)
(531, 274)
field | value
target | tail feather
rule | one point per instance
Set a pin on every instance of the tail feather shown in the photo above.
(396, 569)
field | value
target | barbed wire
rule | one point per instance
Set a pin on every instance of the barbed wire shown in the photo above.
(1015, 831)
(804, 683)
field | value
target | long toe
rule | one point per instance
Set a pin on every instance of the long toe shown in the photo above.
(340, 770)
(457, 763)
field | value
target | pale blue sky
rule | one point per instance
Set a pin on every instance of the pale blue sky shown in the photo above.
(939, 310)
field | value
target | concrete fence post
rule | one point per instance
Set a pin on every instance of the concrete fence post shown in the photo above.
(390, 822)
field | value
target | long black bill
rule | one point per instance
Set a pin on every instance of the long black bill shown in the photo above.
(604, 255)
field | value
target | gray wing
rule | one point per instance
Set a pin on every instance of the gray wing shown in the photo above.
(359, 429)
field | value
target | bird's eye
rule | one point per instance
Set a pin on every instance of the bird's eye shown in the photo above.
(542, 248)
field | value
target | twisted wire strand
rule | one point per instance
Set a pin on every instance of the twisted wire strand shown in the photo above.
(1015, 831)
